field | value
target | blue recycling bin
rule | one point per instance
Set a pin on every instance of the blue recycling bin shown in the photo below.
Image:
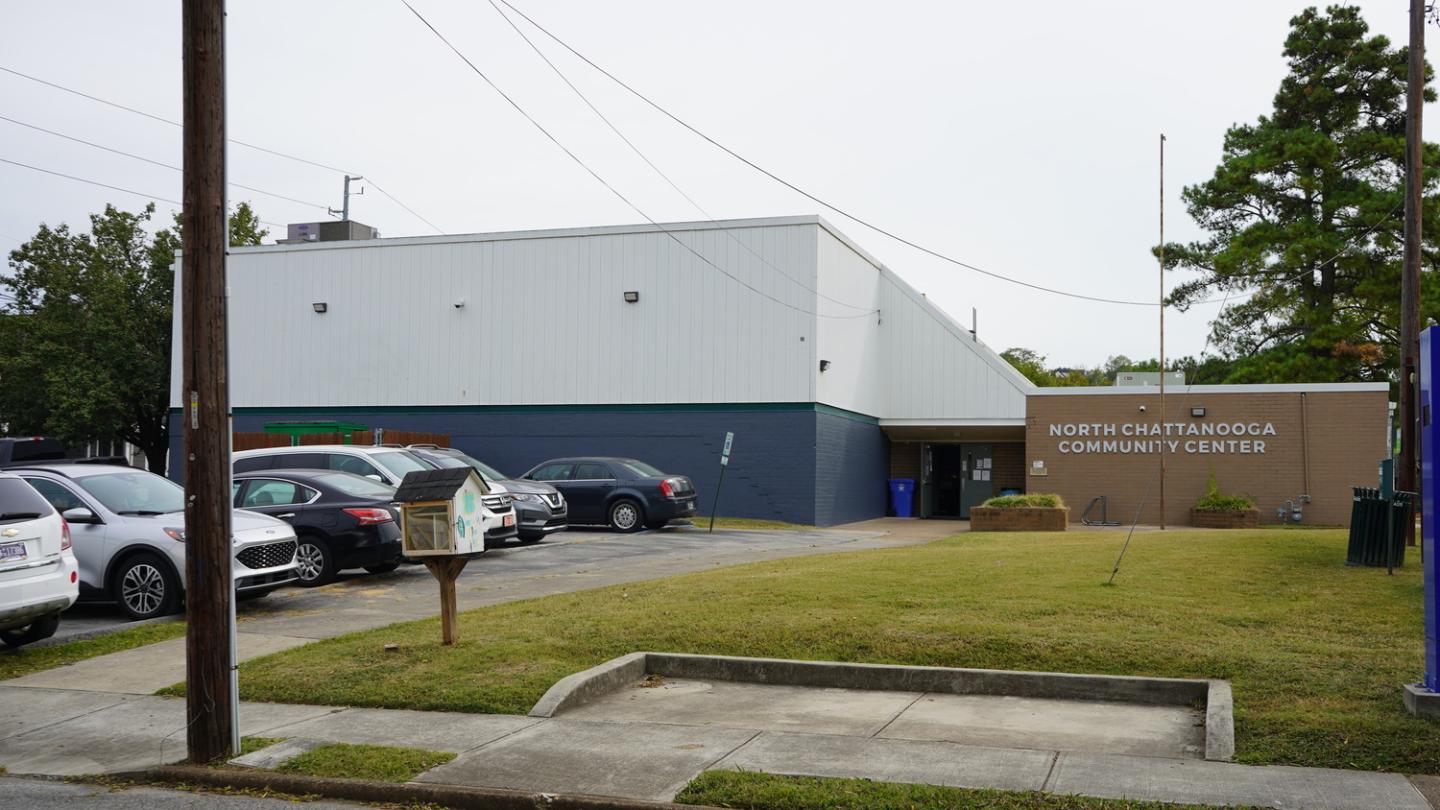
(902, 496)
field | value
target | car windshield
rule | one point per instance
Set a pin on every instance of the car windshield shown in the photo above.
(481, 467)
(135, 493)
(642, 469)
(399, 462)
(357, 486)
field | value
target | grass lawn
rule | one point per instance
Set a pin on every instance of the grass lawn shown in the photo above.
(760, 791)
(1316, 651)
(25, 660)
(379, 762)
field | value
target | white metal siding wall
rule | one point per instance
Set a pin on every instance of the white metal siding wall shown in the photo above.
(853, 345)
(914, 361)
(544, 321)
(934, 369)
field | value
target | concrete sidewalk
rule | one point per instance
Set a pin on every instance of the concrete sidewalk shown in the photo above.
(64, 732)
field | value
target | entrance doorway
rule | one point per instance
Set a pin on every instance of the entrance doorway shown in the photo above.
(953, 478)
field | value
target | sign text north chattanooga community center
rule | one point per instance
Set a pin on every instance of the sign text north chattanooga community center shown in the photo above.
(1156, 437)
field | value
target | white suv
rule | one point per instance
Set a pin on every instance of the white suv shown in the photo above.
(388, 465)
(38, 573)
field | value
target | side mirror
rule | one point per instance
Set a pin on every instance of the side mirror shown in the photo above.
(374, 477)
(79, 514)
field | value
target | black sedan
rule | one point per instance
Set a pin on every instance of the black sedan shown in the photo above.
(623, 493)
(539, 507)
(341, 520)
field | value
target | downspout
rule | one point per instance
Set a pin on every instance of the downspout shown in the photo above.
(1305, 446)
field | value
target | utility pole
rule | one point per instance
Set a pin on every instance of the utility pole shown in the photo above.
(210, 718)
(1162, 329)
(1410, 276)
(344, 211)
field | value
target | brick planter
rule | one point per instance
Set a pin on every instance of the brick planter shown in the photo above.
(1245, 519)
(1022, 519)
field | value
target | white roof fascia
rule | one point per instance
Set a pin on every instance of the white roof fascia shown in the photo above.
(921, 421)
(1246, 388)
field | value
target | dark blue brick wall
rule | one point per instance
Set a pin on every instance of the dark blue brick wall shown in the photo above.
(790, 464)
(851, 461)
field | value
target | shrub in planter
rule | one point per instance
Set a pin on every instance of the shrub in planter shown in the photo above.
(1216, 510)
(1034, 512)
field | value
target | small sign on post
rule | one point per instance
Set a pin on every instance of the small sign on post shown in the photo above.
(724, 462)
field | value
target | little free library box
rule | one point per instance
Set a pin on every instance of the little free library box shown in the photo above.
(442, 524)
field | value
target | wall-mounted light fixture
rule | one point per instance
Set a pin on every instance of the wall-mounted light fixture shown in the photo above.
(459, 303)
(320, 307)
(1197, 412)
(632, 296)
(824, 364)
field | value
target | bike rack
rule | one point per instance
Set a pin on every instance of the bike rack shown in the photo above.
(1104, 513)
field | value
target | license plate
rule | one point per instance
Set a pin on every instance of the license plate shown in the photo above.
(508, 521)
(12, 551)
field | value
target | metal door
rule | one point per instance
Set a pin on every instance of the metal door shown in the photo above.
(927, 475)
(977, 474)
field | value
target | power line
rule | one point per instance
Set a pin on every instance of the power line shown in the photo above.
(606, 184)
(161, 164)
(842, 212)
(639, 153)
(396, 200)
(151, 197)
(256, 147)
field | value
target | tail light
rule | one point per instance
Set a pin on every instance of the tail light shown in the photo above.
(65, 542)
(370, 517)
(666, 488)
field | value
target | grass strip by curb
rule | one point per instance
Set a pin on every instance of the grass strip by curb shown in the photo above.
(381, 763)
(703, 522)
(411, 794)
(747, 790)
(27, 660)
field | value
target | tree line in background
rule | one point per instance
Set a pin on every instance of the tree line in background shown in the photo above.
(1032, 364)
(85, 334)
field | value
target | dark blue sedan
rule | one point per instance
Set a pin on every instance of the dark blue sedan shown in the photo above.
(623, 493)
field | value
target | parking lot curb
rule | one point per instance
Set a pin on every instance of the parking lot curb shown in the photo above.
(98, 632)
(363, 790)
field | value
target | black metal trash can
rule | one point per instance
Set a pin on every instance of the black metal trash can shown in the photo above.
(1377, 528)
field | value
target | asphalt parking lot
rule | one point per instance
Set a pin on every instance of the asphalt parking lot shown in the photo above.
(567, 561)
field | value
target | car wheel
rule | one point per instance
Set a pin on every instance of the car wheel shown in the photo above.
(626, 516)
(316, 563)
(145, 587)
(383, 568)
(42, 628)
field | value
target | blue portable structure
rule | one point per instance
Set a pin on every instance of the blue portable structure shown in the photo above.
(1416, 699)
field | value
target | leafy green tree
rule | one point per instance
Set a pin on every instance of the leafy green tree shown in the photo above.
(1030, 363)
(1305, 214)
(85, 340)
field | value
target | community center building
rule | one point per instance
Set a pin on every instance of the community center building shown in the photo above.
(833, 373)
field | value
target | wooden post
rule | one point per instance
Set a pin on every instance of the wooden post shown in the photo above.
(1406, 471)
(446, 570)
(205, 393)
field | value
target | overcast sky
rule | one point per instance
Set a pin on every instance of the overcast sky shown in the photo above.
(1021, 138)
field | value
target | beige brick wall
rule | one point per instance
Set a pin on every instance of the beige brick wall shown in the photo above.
(1345, 432)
